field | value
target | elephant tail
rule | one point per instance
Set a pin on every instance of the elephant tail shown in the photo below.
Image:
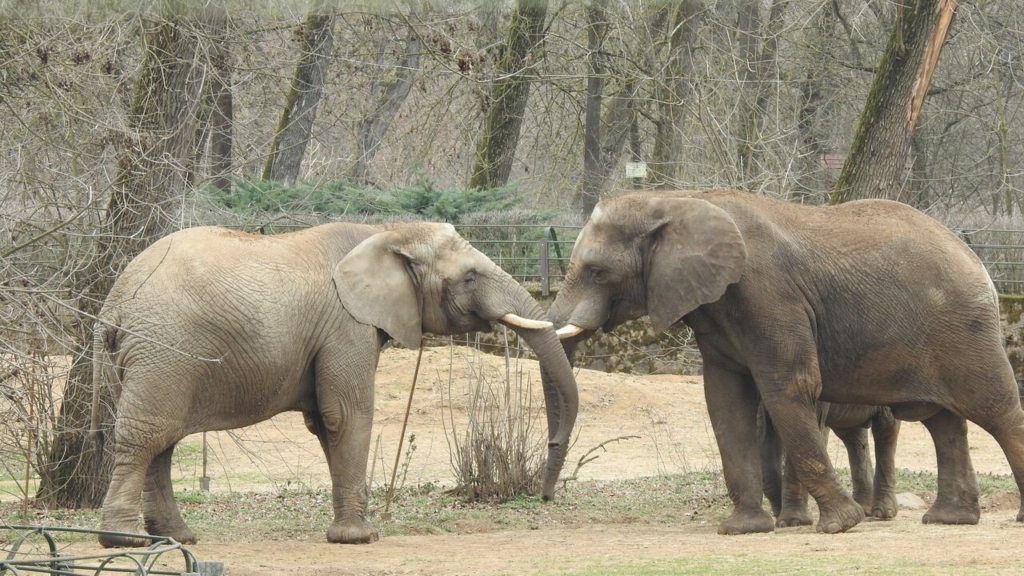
(107, 338)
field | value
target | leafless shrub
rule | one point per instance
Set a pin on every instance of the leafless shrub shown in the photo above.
(498, 453)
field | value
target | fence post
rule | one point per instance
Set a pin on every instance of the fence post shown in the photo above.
(545, 280)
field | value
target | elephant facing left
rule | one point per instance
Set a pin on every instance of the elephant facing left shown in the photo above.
(212, 329)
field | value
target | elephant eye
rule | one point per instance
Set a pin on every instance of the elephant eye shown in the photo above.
(469, 278)
(598, 276)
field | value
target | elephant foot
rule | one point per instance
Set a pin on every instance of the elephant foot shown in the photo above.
(355, 531)
(958, 512)
(179, 531)
(790, 517)
(885, 506)
(836, 519)
(120, 539)
(747, 522)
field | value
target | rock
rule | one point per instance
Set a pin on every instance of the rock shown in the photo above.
(910, 501)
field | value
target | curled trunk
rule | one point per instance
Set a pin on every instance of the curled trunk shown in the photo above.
(561, 397)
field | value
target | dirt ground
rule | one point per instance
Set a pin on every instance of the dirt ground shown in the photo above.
(668, 415)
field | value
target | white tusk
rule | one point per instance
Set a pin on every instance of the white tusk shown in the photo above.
(569, 331)
(528, 324)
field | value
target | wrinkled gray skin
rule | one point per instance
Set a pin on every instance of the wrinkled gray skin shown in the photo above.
(850, 422)
(212, 329)
(869, 302)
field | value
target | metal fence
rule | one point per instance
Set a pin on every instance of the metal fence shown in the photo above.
(528, 253)
(541, 253)
(1002, 252)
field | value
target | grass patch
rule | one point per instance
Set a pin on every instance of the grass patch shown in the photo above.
(303, 514)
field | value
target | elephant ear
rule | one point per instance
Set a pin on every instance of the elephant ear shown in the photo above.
(376, 286)
(696, 251)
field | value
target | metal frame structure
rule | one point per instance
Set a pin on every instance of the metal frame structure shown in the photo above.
(22, 560)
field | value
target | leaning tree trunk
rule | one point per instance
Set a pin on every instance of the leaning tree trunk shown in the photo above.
(497, 145)
(877, 161)
(151, 173)
(386, 99)
(284, 160)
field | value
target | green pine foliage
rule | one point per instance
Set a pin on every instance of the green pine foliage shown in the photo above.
(344, 199)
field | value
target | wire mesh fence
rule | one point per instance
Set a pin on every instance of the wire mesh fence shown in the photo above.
(535, 253)
(541, 253)
(1002, 252)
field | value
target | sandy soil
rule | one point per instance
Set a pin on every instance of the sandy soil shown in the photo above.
(668, 415)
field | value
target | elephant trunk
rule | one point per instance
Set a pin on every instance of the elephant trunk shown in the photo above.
(561, 398)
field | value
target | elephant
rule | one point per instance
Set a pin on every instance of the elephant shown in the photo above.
(850, 422)
(867, 302)
(212, 329)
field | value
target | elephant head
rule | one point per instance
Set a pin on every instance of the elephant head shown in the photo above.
(424, 277)
(657, 255)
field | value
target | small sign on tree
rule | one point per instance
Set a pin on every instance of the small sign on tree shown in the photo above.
(636, 169)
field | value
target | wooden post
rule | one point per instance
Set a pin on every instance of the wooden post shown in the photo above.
(204, 482)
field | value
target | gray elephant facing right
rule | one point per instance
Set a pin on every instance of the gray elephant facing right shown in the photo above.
(212, 329)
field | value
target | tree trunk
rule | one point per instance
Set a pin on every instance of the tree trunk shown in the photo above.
(284, 160)
(593, 172)
(811, 176)
(671, 92)
(151, 174)
(759, 68)
(877, 161)
(222, 109)
(497, 145)
(386, 99)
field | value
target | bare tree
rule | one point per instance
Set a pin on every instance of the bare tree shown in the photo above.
(497, 145)
(876, 164)
(284, 160)
(152, 169)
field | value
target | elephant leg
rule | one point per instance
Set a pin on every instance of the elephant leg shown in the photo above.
(855, 439)
(885, 430)
(794, 500)
(957, 498)
(732, 406)
(794, 510)
(771, 460)
(159, 509)
(343, 424)
(1000, 413)
(790, 391)
(136, 447)
(1009, 433)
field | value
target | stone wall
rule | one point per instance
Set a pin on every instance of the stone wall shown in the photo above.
(633, 348)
